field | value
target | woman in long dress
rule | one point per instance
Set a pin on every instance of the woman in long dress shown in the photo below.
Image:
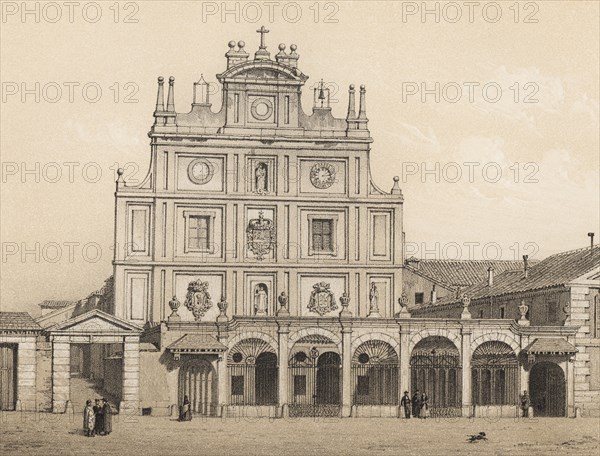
(108, 413)
(89, 419)
(424, 405)
(185, 413)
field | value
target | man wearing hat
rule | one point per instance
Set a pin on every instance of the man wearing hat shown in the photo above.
(406, 403)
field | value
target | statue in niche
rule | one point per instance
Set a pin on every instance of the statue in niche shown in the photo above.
(373, 298)
(261, 299)
(261, 178)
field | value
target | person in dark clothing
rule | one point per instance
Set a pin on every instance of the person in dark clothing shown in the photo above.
(416, 404)
(99, 426)
(185, 412)
(424, 406)
(405, 403)
(108, 412)
(525, 402)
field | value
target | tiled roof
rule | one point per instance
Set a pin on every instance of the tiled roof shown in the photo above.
(554, 346)
(556, 270)
(50, 304)
(14, 321)
(194, 343)
(461, 273)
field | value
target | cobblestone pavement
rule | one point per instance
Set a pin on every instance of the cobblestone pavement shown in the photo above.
(45, 434)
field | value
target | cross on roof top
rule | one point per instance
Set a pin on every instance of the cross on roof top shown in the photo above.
(262, 32)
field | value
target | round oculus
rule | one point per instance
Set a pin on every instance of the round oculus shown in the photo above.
(261, 108)
(200, 171)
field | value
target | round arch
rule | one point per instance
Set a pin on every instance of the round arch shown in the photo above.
(375, 336)
(493, 337)
(451, 335)
(295, 337)
(253, 335)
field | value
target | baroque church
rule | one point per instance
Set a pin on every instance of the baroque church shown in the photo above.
(261, 274)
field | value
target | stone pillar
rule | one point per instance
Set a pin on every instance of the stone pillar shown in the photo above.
(570, 371)
(26, 373)
(222, 384)
(346, 369)
(283, 380)
(130, 395)
(404, 365)
(61, 374)
(466, 372)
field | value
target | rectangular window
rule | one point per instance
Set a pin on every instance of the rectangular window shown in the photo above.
(502, 312)
(552, 308)
(322, 235)
(237, 385)
(299, 385)
(198, 232)
(362, 386)
(286, 112)
(419, 298)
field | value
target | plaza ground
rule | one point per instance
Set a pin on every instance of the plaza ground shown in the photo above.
(43, 434)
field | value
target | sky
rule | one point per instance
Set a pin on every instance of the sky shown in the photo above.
(489, 116)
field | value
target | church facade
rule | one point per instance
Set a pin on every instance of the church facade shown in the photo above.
(260, 273)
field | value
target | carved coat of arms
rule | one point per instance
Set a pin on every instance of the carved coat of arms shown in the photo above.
(322, 300)
(197, 299)
(260, 236)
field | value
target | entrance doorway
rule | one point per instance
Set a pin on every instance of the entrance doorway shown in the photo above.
(8, 376)
(328, 379)
(266, 379)
(197, 381)
(547, 389)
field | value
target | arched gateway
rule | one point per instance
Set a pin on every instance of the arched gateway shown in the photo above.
(547, 389)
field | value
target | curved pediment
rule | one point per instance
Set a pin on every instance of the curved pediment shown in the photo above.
(263, 70)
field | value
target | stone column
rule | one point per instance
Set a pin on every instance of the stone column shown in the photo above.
(570, 371)
(283, 380)
(346, 369)
(466, 371)
(26, 368)
(222, 384)
(130, 395)
(61, 374)
(404, 365)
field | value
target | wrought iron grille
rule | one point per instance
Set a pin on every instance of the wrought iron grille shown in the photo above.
(495, 375)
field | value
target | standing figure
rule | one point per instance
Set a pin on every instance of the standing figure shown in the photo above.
(416, 404)
(260, 178)
(424, 405)
(525, 401)
(99, 426)
(261, 300)
(185, 412)
(405, 403)
(89, 419)
(373, 298)
(108, 412)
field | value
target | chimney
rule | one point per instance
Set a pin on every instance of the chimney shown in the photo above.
(591, 235)
(433, 295)
(525, 266)
(490, 276)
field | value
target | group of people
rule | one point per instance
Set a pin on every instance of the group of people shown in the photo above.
(418, 405)
(97, 419)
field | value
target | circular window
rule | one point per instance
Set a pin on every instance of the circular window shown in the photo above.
(237, 357)
(261, 109)
(363, 358)
(200, 171)
(300, 357)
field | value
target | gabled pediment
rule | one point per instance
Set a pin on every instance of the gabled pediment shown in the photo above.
(263, 70)
(94, 322)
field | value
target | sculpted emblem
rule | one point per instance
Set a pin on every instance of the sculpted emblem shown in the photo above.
(197, 299)
(322, 300)
(260, 236)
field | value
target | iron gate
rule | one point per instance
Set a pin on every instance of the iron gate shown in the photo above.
(315, 384)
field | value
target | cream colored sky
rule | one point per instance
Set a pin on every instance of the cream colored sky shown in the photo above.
(555, 57)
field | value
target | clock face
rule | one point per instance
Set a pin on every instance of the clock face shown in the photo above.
(322, 175)
(200, 171)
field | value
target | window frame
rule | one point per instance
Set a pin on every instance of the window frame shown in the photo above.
(422, 296)
(210, 215)
(333, 218)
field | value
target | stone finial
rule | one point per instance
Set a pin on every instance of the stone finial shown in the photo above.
(403, 301)
(345, 301)
(396, 187)
(120, 180)
(362, 110)
(201, 91)
(262, 53)
(283, 304)
(466, 301)
(222, 306)
(523, 308)
(351, 104)
(170, 112)
(160, 103)
(174, 304)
